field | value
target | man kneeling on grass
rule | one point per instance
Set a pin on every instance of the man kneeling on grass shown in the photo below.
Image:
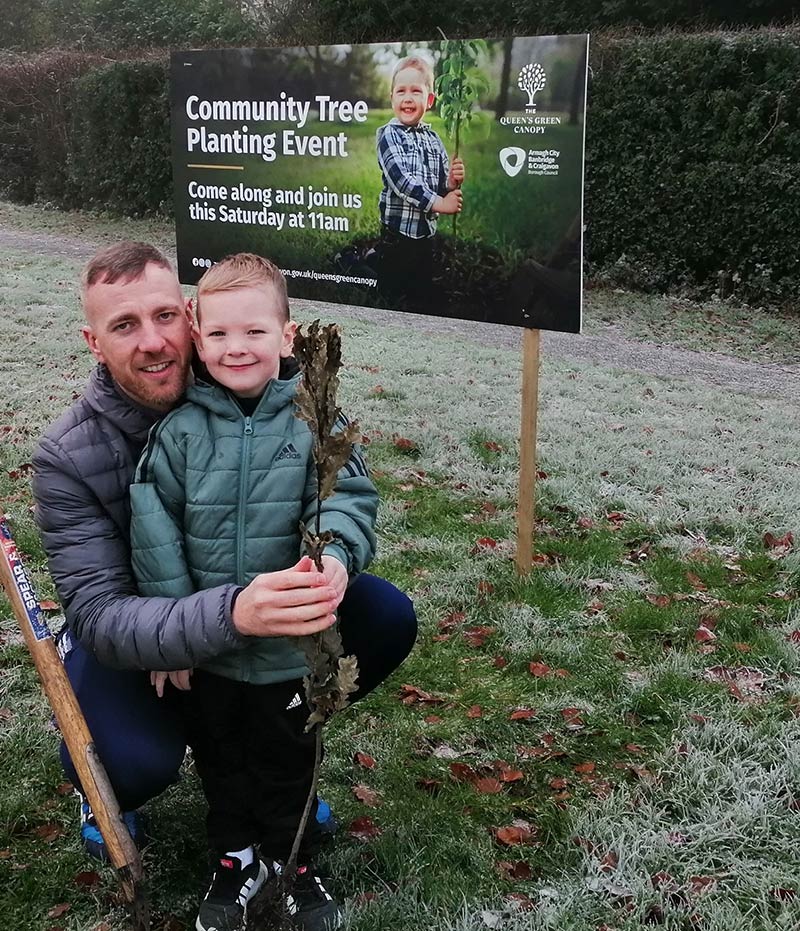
(138, 328)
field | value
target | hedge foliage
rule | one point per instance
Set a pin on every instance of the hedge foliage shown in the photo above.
(114, 25)
(35, 103)
(693, 163)
(384, 20)
(119, 156)
(692, 171)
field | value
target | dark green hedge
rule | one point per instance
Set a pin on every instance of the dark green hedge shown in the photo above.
(693, 163)
(35, 103)
(119, 156)
(692, 159)
(394, 20)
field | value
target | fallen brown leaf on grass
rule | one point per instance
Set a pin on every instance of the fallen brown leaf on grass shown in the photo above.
(364, 829)
(514, 834)
(700, 884)
(463, 772)
(367, 796)
(405, 445)
(705, 629)
(506, 772)
(744, 683)
(364, 759)
(609, 862)
(58, 910)
(48, 832)
(783, 544)
(518, 871)
(660, 601)
(87, 879)
(482, 545)
(587, 767)
(475, 711)
(573, 719)
(477, 636)
(522, 714)
(487, 785)
(411, 695)
(450, 621)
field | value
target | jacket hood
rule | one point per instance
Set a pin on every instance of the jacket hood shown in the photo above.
(106, 398)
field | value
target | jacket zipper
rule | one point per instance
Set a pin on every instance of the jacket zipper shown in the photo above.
(248, 432)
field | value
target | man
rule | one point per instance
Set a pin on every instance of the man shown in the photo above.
(138, 329)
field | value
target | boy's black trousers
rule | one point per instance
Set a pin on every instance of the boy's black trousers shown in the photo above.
(142, 739)
(255, 762)
(405, 267)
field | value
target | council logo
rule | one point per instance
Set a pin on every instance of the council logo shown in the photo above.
(532, 79)
(512, 158)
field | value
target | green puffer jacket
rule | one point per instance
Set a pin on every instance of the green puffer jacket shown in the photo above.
(218, 498)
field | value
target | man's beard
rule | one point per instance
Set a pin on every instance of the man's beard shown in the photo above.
(162, 399)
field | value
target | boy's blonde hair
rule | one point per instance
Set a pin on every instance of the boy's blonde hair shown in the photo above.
(418, 63)
(244, 270)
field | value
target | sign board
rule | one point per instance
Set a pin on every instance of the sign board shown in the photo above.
(336, 162)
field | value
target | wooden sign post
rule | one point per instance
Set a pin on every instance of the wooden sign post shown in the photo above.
(526, 506)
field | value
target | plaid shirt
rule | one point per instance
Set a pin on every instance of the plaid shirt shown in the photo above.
(415, 168)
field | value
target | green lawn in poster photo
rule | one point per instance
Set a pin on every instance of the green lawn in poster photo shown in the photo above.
(524, 215)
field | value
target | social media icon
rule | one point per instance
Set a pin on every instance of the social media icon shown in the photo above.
(512, 158)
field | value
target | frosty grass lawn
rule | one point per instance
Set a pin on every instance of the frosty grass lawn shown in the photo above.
(610, 743)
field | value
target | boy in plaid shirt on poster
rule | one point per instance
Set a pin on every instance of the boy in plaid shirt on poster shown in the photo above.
(418, 183)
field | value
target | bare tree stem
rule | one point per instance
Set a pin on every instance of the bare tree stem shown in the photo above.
(291, 864)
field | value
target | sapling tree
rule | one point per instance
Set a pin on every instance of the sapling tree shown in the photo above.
(332, 677)
(457, 89)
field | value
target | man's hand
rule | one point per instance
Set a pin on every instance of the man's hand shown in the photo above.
(451, 203)
(178, 677)
(457, 174)
(290, 603)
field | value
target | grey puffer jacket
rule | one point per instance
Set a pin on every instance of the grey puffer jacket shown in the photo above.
(82, 469)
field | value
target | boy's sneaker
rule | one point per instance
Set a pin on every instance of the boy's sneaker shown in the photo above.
(92, 839)
(232, 886)
(310, 906)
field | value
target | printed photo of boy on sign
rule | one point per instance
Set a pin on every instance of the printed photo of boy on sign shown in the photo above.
(434, 177)
(419, 184)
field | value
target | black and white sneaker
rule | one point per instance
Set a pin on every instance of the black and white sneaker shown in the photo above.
(310, 906)
(232, 886)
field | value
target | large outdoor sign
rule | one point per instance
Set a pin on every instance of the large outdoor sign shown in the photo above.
(347, 166)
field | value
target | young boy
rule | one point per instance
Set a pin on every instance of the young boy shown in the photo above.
(218, 497)
(418, 184)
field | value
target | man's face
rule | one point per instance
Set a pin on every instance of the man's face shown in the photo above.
(410, 96)
(140, 329)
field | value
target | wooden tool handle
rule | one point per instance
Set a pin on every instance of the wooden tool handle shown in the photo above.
(94, 780)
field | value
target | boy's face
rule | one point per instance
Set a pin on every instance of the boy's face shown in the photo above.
(411, 97)
(242, 339)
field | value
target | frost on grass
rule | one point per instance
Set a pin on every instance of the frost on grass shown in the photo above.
(662, 450)
(719, 810)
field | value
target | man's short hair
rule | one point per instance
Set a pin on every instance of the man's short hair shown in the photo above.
(125, 260)
(244, 270)
(418, 63)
